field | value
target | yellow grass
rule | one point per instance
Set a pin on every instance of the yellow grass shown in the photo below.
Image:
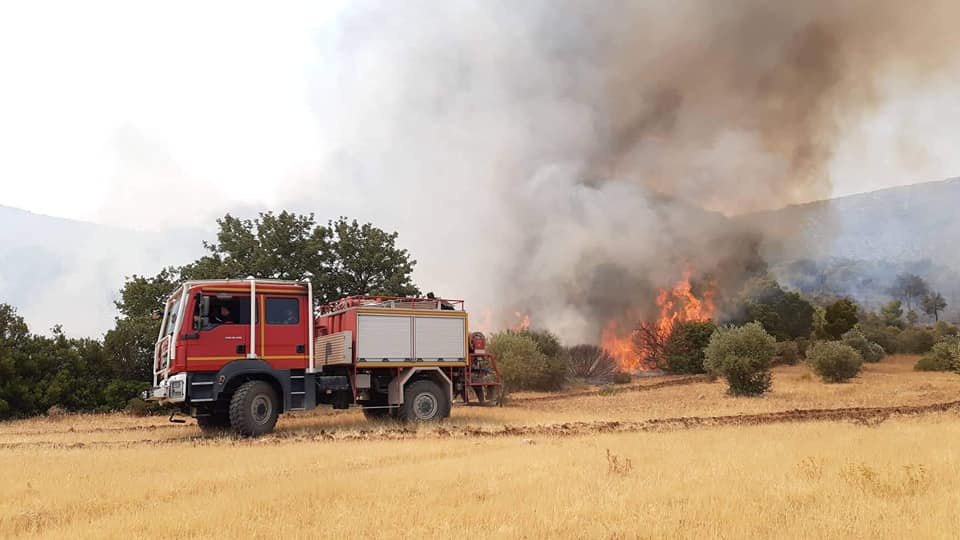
(120, 477)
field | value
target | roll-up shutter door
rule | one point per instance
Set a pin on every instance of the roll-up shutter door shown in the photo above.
(440, 339)
(382, 338)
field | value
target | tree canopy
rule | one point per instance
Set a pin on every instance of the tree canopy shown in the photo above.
(341, 258)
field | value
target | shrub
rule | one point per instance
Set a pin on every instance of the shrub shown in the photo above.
(834, 361)
(787, 353)
(591, 363)
(944, 329)
(622, 377)
(869, 351)
(802, 345)
(117, 394)
(683, 351)
(523, 365)
(944, 356)
(742, 355)
(915, 340)
(139, 407)
(877, 331)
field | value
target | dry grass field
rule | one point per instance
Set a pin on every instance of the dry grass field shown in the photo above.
(605, 465)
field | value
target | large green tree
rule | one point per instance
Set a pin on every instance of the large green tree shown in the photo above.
(839, 317)
(784, 314)
(340, 258)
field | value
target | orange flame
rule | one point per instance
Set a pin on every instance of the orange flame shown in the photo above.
(675, 305)
(524, 321)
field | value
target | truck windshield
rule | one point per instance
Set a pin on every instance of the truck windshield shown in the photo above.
(171, 323)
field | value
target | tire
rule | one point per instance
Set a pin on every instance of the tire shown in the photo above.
(254, 409)
(214, 424)
(424, 401)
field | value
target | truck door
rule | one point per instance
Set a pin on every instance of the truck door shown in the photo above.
(221, 330)
(282, 330)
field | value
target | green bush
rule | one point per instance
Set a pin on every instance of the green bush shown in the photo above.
(802, 345)
(683, 351)
(787, 353)
(944, 356)
(915, 340)
(944, 329)
(834, 361)
(523, 365)
(742, 355)
(869, 351)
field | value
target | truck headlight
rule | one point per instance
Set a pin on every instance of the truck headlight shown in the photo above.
(177, 389)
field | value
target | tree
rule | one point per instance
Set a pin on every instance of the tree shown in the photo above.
(933, 303)
(912, 317)
(785, 315)
(909, 288)
(342, 258)
(363, 259)
(683, 351)
(839, 317)
(891, 313)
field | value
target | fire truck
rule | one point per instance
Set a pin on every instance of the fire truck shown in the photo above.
(235, 354)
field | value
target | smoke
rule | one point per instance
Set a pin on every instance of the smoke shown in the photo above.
(568, 159)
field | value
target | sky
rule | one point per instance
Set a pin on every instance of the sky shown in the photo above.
(111, 109)
(162, 116)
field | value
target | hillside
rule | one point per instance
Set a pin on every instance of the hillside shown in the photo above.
(856, 245)
(902, 224)
(68, 272)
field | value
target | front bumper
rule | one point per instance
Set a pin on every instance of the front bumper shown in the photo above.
(171, 390)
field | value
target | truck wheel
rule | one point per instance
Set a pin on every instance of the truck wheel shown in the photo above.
(214, 423)
(424, 401)
(254, 409)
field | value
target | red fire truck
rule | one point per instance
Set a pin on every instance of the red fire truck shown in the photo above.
(237, 353)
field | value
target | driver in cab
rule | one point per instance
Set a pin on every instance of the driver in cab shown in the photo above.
(223, 316)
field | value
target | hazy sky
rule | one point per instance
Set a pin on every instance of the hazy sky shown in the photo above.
(114, 111)
(415, 115)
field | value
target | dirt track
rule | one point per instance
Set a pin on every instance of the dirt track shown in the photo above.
(859, 415)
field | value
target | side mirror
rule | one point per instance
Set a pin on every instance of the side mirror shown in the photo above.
(204, 306)
(156, 315)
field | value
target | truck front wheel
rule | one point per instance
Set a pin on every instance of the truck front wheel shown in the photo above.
(424, 401)
(254, 409)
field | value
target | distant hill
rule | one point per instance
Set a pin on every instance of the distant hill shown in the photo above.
(902, 224)
(857, 244)
(68, 272)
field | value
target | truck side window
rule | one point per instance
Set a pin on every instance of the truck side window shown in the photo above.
(227, 309)
(283, 311)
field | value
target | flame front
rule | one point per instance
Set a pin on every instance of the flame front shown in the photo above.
(523, 321)
(675, 305)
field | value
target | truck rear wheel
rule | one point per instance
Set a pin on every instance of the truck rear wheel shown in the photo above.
(424, 401)
(254, 409)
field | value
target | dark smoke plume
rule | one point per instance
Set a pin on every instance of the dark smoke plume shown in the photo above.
(597, 149)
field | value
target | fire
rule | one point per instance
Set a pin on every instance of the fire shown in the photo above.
(675, 305)
(524, 321)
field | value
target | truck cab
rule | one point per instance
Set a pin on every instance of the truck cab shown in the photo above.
(237, 353)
